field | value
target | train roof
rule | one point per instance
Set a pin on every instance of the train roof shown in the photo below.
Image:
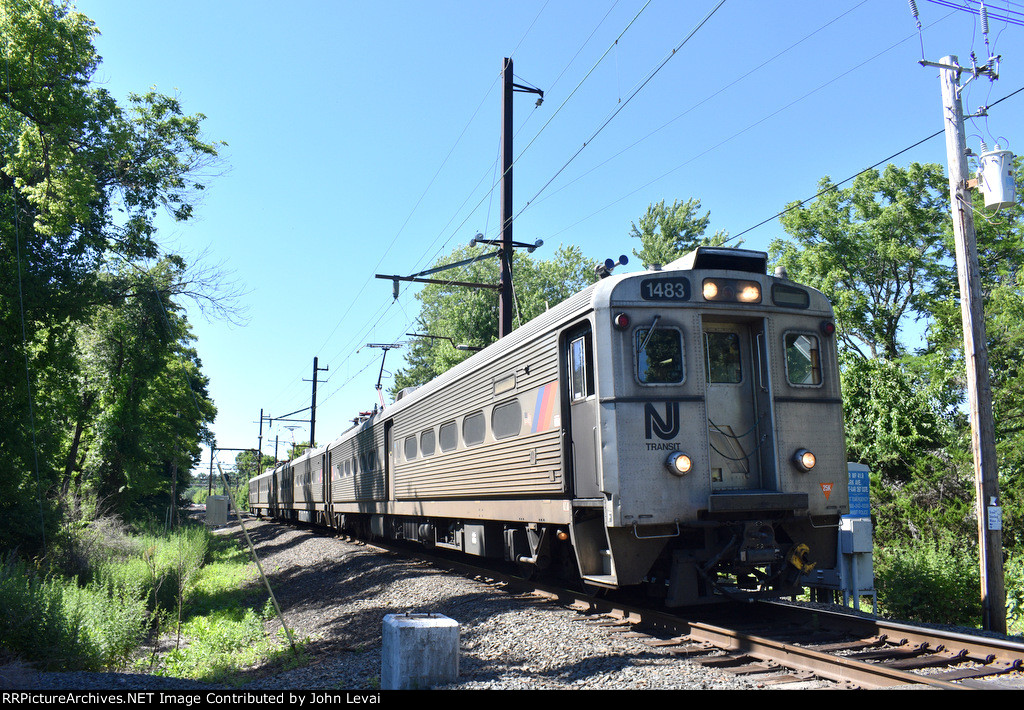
(722, 258)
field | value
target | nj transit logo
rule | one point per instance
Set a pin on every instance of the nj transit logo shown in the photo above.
(664, 428)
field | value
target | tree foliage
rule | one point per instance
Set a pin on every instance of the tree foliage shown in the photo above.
(882, 250)
(103, 391)
(878, 251)
(667, 233)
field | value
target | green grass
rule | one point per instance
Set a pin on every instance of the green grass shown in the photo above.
(196, 589)
(222, 629)
(56, 624)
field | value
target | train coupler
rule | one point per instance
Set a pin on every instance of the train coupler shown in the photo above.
(799, 557)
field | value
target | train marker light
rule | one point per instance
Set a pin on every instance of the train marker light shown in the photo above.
(678, 463)
(621, 321)
(804, 460)
(828, 327)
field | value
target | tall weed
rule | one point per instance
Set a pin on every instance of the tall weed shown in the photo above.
(55, 624)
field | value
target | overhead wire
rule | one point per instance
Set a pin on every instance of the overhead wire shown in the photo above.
(1013, 17)
(743, 130)
(835, 186)
(622, 104)
(697, 105)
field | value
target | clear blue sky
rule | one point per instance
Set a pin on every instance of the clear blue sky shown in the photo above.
(363, 138)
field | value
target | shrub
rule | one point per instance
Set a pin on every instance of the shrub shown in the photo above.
(1013, 573)
(931, 581)
(163, 565)
(55, 624)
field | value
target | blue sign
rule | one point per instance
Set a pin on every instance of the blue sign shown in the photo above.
(860, 490)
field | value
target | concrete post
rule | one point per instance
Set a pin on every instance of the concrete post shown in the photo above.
(419, 651)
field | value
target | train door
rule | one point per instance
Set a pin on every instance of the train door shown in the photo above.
(389, 460)
(739, 432)
(583, 411)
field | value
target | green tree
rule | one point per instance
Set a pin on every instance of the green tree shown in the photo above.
(882, 250)
(151, 406)
(877, 249)
(667, 233)
(457, 315)
(248, 467)
(83, 180)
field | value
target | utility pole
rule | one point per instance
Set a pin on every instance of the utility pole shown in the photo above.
(505, 294)
(979, 392)
(505, 244)
(312, 413)
(505, 305)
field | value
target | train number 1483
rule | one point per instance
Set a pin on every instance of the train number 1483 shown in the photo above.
(676, 289)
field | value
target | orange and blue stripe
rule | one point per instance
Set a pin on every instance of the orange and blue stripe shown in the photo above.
(544, 408)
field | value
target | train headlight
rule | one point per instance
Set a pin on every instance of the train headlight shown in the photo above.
(804, 460)
(749, 293)
(678, 463)
(733, 290)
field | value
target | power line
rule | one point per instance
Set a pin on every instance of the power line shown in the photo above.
(1013, 17)
(855, 175)
(623, 104)
(695, 106)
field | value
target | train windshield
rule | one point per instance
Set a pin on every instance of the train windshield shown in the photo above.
(803, 363)
(659, 355)
(724, 364)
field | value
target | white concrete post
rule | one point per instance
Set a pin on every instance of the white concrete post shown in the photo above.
(419, 651)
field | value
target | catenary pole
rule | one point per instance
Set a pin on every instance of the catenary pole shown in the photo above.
(505, 294)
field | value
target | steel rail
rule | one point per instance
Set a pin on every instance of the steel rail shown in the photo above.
(823, 665)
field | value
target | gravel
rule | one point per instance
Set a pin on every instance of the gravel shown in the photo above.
(335, 595)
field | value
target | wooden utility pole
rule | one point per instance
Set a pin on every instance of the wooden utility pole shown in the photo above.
(979, 392)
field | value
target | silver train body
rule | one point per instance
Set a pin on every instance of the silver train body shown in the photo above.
(676, 431)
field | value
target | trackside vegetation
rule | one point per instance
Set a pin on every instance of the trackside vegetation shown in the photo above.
(184, 603)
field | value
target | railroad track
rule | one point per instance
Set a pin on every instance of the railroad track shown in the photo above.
(792, 646)
(785, 645)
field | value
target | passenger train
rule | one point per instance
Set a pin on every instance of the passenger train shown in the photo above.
(677, 432)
